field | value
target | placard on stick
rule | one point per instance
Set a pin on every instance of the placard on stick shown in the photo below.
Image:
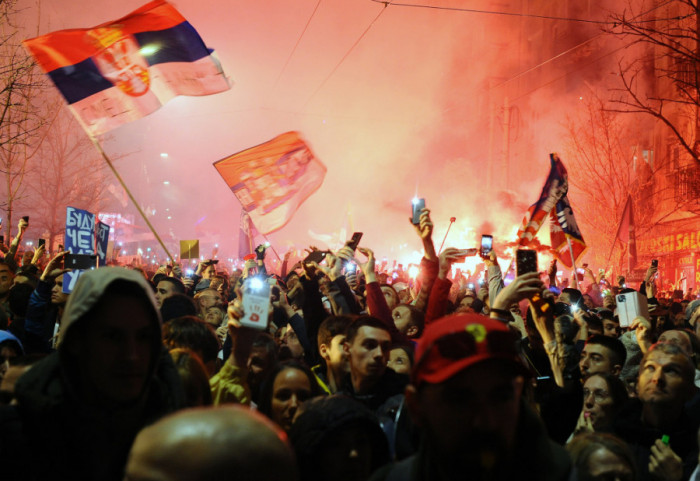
(189, 249)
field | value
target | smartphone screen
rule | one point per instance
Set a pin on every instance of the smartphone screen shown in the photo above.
(417, 206)
(486, 245)
(525, 261)
(655, 263)
(42, 242)
(26, 218)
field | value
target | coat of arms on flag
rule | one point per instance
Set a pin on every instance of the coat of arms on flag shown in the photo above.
(125, 69)
(273, 179)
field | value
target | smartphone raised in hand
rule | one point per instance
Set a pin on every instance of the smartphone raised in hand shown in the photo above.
(256, 303)
(354, 240)
(42, 242)
(525, 261)
(486, 245)
(416, 207)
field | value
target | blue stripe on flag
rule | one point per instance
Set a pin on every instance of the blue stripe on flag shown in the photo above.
(178, 44)
(181, 43)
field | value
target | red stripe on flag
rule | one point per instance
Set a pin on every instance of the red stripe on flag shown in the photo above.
(69, 47)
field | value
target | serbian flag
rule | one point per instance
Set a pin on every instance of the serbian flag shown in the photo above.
(553, 190)
(564, 232)
(273, 179)
(123, 70)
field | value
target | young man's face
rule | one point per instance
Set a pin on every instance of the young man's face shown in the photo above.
(369, 352)
(334, 354)
(470, 416)
(117, 350)
(610, 328)
(392, 299)
(5, 279)
(596, 359)
(58, 297)
(402, 318)
(164, 290)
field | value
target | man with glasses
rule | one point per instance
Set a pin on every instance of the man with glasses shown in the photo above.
(466, 397)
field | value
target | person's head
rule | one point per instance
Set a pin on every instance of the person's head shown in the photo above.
(570, 296)
(220, 283)
(465, 391)
(110, 339)
(330, 338)
(19, 299)
(207, 298)
(337, 438)
(286, 388)
(683, 338)
(392, 298)
(603, 397)
(290, 345)
(58, 297)
(409, 320)
(401, 358)
(666, 377)
(194, 377)
(10, 348)
(600, 456)
(191, 332)
(263, 356)
(166, 287)
(611, 326)
(211, 444)
(588, 301)
(177, 305)
(209, 269)
(367, 346)
(214, 316)
(602, 354)
(6, 276)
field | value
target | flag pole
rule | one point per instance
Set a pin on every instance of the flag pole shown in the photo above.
(573, 261)
(97, 145)
(452, 221)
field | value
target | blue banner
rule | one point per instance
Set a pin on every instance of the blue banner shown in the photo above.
(80, 239)
(102, 241)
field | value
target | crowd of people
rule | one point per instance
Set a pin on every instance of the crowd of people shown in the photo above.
(331, 368)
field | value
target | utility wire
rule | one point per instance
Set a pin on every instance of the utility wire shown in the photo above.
(528, 15)
(291, 54)
(323, 83)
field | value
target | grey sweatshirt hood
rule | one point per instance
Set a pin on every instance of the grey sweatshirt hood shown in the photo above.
(91, 287)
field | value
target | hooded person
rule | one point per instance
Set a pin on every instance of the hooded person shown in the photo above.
(338, 438)
(80, 408)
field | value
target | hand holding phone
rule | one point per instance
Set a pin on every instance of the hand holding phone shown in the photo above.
(417, 207)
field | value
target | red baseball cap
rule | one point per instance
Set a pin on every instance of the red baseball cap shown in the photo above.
(455, 342)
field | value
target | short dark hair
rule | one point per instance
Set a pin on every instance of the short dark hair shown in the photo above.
(417, 318)
(177, 305)
(178, 286)
(333, 326)
(614, 345)
(363, 321)
(192, 333)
